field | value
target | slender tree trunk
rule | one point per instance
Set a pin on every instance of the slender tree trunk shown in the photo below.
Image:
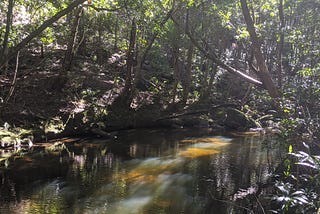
(40, 29)
(281, 43)
(116, 28)
(263, 72)
(187, 75)
(70, 53)
(176, 70)
(154, 36)
(128, 90)
(213, 74)
(81, 45)
(5, 47)
(151, 41)
(207, 83)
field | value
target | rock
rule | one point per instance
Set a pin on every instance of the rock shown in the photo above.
(234, 119)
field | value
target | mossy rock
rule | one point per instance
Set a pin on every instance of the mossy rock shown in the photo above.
(14, 136)
(234, 119)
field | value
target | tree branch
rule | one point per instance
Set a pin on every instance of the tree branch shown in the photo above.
(40, 29)
(98, 9)
(212, 56)
(13, 84)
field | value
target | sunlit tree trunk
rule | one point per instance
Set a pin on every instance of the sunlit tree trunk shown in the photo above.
(263, 72)
(72, 40)
(5, 49)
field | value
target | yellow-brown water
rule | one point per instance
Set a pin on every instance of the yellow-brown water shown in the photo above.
(140, 171)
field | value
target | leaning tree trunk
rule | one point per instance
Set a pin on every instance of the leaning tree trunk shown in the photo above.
(70, 53)
(212, 56)
(263, 72)
(4, 54)
(40, 29)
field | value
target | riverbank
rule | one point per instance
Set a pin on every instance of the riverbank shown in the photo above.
(46, 103)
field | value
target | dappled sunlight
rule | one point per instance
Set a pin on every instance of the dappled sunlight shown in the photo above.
(215, 140)
(148, 170)
(132, 205)
(199, 147)
(162, 203)
(248, 133)
(197, 152)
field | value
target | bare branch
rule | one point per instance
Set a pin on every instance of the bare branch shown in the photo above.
(13, 84)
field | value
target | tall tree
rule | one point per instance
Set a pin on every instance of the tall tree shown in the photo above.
(73, 39)
(263, 71)
(123, 101)
(281, 42)
(4, 54)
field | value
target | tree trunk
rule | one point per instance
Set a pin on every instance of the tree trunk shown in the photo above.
(143, 57)
(116, 28)
(128, 90)
(207, 86)
(187, 75)
(263, 72)
(40, 29)
(176, 70)
(5, 52)
(70, 53)
(281, 43)
(220, 63)
(154, 36)
(124, 100)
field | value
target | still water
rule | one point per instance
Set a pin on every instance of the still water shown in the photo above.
(140, 171)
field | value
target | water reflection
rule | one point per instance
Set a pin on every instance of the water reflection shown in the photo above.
(148, 171)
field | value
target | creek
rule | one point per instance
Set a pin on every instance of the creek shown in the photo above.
(141, 171)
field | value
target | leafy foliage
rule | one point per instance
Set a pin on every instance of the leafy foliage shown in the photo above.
(299, 191)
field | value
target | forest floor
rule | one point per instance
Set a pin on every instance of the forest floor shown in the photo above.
(43, 95)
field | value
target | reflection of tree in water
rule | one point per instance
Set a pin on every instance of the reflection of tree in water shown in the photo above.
(238, 171)
(157, 173)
